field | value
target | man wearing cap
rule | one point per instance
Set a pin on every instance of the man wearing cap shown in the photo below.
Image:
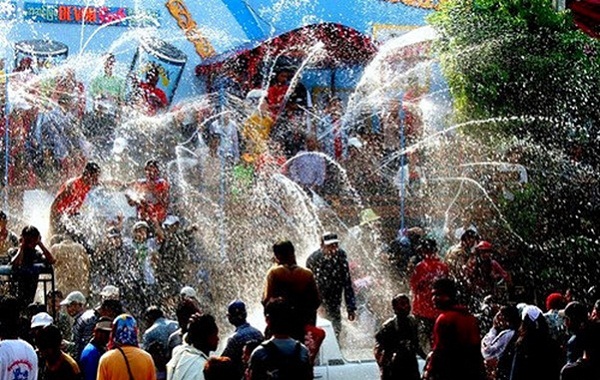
(483, 273)
(90, 357)
(70, 197)
(85, 320)
(39, 321)
(244, 333)
(150, 195)
(330, 266)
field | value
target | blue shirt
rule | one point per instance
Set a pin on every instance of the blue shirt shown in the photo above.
(90, 357)
(244, 333)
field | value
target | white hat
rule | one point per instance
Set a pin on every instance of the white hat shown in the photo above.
(256, 93)
(330, 238)
(531, 311)
(110, 292)
(188, 291)
(170, 220)
(355, 142)
(140, 224)
(74, 297)
(41, 320)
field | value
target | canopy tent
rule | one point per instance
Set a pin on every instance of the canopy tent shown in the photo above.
(586, 14)
(341, 46)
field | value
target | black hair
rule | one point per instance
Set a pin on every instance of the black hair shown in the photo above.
(220, 368)
(468, 234)
(91, 168)
(9, 317)
(153, 313)
(511, 315)
(54, 293)
(398, 297)
(30, 232)
(200, 328)
(185, 309)
(152, 163)
(49, 337)
(284, 251)
(446, 286)
(113, 306)
(280, 314)
(427, 245)
(2, 215)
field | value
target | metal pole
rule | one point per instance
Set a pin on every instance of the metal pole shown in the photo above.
(223, 178)
(6, 138)
(402, 163)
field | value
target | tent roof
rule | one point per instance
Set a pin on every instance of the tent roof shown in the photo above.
(344, 46)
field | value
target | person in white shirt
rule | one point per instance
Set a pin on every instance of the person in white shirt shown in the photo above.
(17, 357)
(189, 359)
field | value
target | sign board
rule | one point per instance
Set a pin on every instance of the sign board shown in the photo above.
(90, 15)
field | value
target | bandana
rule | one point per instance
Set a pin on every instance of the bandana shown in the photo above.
(124, 331)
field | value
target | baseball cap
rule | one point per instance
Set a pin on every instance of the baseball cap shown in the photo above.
(104, 324)
(110, 292)
(188, 291)
(236, 307)
(531, 311)
(113, 232)
(140, 224)
(330, 238)
(74, 297)
(41, 320)
(170, 220)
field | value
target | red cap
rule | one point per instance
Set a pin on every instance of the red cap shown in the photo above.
(484, 246)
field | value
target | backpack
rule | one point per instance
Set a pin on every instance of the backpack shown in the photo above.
(286, 367)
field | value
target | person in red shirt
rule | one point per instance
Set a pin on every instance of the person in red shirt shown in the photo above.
(421, 283)
(485, 275)
(150, 195)
(277, 90)
(70, 197)
(155, 99)
(455, 353)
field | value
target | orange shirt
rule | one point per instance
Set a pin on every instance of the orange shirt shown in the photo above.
(297, 285)
(112, 365)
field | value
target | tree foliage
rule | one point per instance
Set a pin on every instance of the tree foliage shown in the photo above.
(526, 68)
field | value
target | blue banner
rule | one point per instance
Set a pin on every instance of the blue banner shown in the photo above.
(91, 15)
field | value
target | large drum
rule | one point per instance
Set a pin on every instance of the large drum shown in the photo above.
(40, 54)
(155, 57)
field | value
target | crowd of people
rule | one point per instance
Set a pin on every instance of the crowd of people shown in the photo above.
(455, 318)
(458, 315)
